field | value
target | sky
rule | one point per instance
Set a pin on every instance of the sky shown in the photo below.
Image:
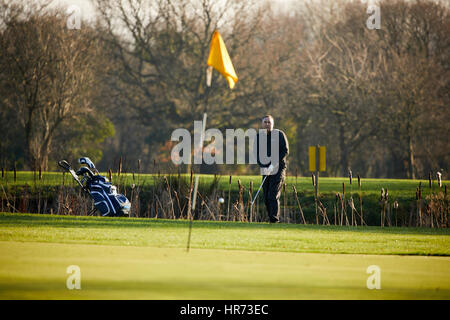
(88, 10)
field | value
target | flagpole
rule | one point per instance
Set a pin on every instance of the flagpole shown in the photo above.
(197, 176)
(220, 60)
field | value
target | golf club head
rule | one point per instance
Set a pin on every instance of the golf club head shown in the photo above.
(64, 164)
(84, 170)
(87, 161)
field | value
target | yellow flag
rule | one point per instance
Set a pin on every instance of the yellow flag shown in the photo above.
(220, 60)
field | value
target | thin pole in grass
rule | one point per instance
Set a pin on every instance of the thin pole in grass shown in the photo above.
(382, 208)
(396, 211)
(257, 210)
(179, 181)
(170, 196)
(360, 200)
(241, 201)
(446, 206)
(323, 211)
(206, 206)
(250, 200)
(419, 205)
(298, 204)
(417, 209)
(341, 215)
(8, 204)
(284, 202)
(336, 203)
(344, 206)
(191, 218)
(191, 186)
(200, 147)
(387, 208)
(139, 171)
(229, 198)
(351, 194)
(315, 195)
(441, 212)
(178, 202)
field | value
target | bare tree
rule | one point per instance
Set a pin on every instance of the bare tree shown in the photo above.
(415, 83)
(382, 93)
(160, 51)
(47, 77)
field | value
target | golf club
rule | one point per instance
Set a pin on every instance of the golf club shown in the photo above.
(259, 190)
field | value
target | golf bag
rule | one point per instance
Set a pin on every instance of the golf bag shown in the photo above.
(106, 199)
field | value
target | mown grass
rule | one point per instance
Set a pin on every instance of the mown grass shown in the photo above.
(147, 259)
(224, 235)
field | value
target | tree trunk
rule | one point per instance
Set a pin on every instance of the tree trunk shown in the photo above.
(412, 164)
(344, 151)
(411, 160)
(28, 136)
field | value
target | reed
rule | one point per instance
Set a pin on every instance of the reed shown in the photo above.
(352, 206)
(250, 198)
(315, 197)
(284, 203)
(241, 202)
(191, 188)
(298, 204)
(229, 198)
(170, 196)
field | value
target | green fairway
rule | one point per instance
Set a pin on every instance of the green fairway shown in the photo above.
(398, 188)
(38, 271)
(147, 259)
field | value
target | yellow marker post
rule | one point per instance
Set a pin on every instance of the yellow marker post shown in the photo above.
(322, 158)
(317, 163)
(312, 159)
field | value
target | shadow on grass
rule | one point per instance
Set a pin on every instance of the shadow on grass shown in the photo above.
(198, 289)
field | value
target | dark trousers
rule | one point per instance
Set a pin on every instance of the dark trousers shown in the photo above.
(272, 192)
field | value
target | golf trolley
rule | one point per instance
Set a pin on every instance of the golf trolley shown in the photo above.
(106, 199)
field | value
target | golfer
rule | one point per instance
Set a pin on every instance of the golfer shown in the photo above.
(274, 170)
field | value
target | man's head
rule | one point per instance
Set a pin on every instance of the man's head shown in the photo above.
(267, 122)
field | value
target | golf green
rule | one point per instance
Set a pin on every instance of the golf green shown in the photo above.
(147, 259)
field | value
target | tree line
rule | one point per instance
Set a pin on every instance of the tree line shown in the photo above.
(117, 87)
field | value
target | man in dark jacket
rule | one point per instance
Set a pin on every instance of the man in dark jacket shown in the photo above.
(276, 149)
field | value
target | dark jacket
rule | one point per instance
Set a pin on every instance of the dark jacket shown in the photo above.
(283, 149)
